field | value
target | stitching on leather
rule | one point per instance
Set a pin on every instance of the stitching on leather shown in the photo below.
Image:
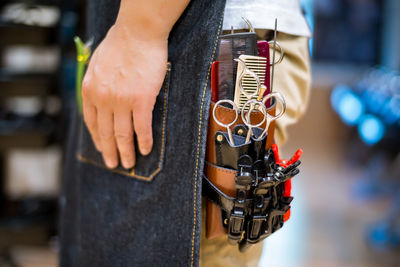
(225, 109)
(160, 161)
(199, 137)
(220, 169)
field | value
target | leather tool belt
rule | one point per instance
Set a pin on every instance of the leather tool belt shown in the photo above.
(247, 186)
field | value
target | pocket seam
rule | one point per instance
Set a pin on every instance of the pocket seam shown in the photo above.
(161, 159)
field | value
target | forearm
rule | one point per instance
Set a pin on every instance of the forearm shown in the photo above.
(150, 19)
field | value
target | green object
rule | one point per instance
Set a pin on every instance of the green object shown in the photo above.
(83, 53)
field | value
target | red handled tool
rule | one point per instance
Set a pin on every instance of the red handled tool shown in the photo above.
(286, 163)
(214, 81)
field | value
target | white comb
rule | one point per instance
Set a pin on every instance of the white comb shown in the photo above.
(256, 64)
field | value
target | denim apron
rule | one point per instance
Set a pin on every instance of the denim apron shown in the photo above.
(151, 215)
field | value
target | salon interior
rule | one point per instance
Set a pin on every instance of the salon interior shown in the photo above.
(346, 207)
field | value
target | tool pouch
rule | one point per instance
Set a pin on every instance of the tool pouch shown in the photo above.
(221, 164)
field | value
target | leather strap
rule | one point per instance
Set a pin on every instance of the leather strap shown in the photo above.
(222, 178)
(216, 196)
(219, 189)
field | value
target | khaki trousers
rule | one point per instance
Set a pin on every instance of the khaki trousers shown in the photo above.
(292, 79)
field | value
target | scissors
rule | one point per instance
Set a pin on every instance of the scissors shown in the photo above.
(246, 119)
(268, 117)
(252, 105)
(257, 98)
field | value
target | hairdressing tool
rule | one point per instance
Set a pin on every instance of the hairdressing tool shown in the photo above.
(273, 56)
(214, 81)
(250, 106)
(278, 99)
(231, 47)
(250, 76)
(263, 51)
(255, 101)
(281, 51)
(244, 118)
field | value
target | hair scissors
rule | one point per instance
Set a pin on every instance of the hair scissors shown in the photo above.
(268, 117)
(246, 119)
(252, 105)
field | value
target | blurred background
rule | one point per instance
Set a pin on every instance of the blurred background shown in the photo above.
(346, 210)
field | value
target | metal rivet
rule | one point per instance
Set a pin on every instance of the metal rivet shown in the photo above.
(220, 138)
(240, 132)
(226, 221)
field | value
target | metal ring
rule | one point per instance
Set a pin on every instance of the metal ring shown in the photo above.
(273, 104)
(280, 49)
(234, 107)
(251, 73)
(264, 111)
(277, 96)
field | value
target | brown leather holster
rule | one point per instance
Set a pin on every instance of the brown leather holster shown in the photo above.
(223, 178)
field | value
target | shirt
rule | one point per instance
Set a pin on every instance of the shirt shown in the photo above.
(262, 14)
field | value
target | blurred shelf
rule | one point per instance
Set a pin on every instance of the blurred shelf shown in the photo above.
(25, 132)
(25, 34)
(326, 75)
(26, 84)
(33, 139)
(35, 2)
(27, 221)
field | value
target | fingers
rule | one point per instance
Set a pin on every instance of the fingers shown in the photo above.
(90, 118)
(123, 131)
(142, 120)
(106, 134)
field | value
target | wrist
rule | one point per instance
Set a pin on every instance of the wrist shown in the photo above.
(141, 21)
(141, 29)
(150, 19)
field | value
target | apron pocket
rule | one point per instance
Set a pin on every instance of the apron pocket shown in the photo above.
(146, 167)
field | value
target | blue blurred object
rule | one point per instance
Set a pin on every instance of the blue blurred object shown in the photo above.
(371, 129)
(393, 112)
(381, 237)
(375, 100)
(347, 104)
(385, 235)
(373, 105)
(308, 9)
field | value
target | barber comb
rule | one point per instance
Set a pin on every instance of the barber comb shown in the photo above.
(257, 65)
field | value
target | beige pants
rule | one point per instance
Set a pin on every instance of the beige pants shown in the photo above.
(292, 79)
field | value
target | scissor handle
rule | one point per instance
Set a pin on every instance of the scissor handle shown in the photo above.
(252, 74)
(278, 99)
(247, 120)
(234, 107)
(280, 49)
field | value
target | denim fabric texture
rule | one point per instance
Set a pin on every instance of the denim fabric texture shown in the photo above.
(117, 218)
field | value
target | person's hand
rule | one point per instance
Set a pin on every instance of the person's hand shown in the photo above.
(119, 90)
(124, 77)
